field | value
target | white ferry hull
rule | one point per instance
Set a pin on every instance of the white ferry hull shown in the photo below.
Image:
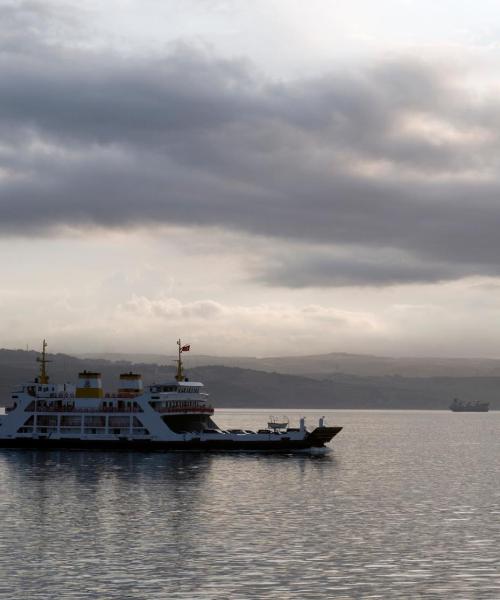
(275, 443)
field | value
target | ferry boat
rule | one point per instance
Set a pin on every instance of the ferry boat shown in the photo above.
(171, 416)
(461, 406)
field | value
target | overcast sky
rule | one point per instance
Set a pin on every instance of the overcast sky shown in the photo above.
(259, 178)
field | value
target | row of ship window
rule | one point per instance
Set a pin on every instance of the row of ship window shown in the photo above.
(174, 388)
(76, 421)
(99, 430)
(91, 424)
(58, 404)
(174, 404)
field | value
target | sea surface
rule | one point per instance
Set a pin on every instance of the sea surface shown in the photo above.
(406, 505)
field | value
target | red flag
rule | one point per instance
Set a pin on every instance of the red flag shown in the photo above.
(186, 348)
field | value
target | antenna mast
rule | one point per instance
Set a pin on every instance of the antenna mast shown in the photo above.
(180, 369)
(43, 360)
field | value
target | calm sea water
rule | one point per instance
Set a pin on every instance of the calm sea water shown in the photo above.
(407, 505)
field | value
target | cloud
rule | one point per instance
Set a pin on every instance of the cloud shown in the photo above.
(264, 314)
(395, 161)
(377, 268)
(275, 327)
(173, 308)
(143, 323)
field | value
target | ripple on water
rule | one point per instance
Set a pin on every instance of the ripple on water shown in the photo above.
(405, 506)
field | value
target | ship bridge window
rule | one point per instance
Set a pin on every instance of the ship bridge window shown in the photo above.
(189, 390)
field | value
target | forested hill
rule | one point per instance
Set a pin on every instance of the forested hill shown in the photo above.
(322, 366)
(246, 388)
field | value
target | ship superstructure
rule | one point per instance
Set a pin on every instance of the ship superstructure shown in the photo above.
(173, 415)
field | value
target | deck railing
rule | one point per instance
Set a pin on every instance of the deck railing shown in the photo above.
(70, 408)
(73, 409)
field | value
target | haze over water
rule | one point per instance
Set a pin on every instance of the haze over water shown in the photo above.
(407, 505)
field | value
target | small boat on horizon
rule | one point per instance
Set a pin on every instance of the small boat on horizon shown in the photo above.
(461, 406)
(170, 416)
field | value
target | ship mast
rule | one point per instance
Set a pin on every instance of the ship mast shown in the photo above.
(180, 369)
(43, 360)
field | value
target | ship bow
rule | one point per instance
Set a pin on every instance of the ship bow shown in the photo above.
(322, 435)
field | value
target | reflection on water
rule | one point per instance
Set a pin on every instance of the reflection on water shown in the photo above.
(407, 506)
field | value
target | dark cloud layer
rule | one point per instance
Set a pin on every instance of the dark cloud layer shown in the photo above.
(361, 268)
(391, 158)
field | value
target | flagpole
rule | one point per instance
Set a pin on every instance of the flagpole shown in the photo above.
(180, 375)
(180, 370)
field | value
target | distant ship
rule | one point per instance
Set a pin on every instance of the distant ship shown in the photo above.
(460, 406)
(169, 416)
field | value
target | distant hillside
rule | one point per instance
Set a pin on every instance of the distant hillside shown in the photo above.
(329, 365)
(237, 387)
